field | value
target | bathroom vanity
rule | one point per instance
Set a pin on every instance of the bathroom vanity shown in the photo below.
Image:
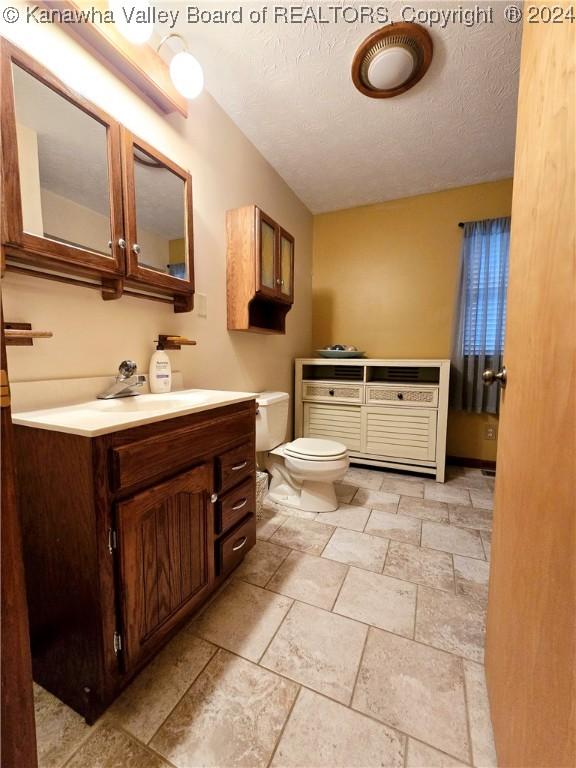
(133, 513)
(388, 413)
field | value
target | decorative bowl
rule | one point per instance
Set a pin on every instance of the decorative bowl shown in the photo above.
(340, 353)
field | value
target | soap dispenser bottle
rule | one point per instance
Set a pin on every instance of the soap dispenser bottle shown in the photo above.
(160, 373)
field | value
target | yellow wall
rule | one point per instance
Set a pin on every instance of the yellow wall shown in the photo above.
(91, 336)
(385, 278)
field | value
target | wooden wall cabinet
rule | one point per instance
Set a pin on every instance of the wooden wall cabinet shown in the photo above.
(260, 272)
(83, 200)
(125, 535)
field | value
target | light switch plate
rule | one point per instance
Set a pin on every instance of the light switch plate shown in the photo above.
(201, 304)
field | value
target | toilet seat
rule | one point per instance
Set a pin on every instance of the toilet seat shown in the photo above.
(313, 449)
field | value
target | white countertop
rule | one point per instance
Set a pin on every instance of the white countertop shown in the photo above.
(100, 417)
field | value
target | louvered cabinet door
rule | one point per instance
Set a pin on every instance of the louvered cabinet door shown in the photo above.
(164, 558)
(400, 433)
(334, 422)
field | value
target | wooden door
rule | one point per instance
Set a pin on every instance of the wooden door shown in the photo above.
(18, 737)
(530, 646)
(165, 562)
(267, 233)
(286, 266)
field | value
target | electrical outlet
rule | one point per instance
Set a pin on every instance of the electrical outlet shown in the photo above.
(490, 432)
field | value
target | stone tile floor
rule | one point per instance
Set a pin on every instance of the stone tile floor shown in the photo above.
(350, 639)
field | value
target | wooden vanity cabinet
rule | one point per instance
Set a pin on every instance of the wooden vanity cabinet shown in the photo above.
(125, 536)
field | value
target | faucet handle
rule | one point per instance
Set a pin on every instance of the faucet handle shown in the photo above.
(127, 368)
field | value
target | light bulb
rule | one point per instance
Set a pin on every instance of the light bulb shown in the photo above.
(390, 68)
(187, 75)
(131, 19)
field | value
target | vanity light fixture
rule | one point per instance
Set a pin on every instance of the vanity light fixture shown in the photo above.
(185, 70)
(132, 19)
(392, 60)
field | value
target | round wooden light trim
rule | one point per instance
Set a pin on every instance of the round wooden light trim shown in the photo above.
(407, 35)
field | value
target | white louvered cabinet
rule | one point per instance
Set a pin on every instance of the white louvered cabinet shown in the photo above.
(334, 422)
(389, 413)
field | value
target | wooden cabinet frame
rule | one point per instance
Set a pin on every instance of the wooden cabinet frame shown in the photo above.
(28, 247)
(252, 306)
(55, 260)
(279, 233)
(134, 270)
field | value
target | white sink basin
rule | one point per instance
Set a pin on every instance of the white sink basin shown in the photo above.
(100, 417)
(153, 403)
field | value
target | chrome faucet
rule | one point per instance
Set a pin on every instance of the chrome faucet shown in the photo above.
(126, 381)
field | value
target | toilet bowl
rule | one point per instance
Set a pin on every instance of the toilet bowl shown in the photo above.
(303, 472)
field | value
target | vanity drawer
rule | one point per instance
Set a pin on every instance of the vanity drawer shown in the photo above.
(235, 505)
(235, 465)
(232, 548)
(332, 392)
(136, 461)
(411, 397)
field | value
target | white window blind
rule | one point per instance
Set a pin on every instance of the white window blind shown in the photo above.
(486, 276)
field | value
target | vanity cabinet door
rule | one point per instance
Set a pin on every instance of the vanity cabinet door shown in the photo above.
(286, 263)
(158, 216)
(166, 565)
(61, 174)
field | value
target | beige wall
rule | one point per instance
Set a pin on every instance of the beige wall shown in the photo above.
(386, 278)
(91, 336)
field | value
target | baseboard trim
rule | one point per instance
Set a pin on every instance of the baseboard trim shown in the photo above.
(462, 461)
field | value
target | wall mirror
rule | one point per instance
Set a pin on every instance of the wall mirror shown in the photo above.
(158, 207)
(160, 200)
(83, 200)
(63, 162)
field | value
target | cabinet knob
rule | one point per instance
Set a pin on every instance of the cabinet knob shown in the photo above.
(331, 392)
(400, 396)
(136, 249)
(278, 281)
(214, 498)
(122, 243)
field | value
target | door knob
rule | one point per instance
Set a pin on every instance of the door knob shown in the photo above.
(489, 376)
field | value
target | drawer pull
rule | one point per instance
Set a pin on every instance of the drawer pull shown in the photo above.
(240, 504)
(400, 396)
(241, 543)
(237, 467)
(331, 392)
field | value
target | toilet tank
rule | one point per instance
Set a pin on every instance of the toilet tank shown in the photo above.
(271, 419)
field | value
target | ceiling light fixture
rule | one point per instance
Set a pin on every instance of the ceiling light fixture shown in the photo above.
(392, 60)
(185, 70)
(131, 19)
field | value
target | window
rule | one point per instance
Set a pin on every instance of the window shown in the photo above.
(485, 292)
(481, 314)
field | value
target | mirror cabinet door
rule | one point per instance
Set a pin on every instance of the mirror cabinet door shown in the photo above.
(286, 265)
(69, 205)
(158, 197)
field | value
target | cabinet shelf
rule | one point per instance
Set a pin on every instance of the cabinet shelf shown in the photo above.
(260, 272)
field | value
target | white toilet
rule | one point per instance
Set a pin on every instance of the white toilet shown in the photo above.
(303, 471)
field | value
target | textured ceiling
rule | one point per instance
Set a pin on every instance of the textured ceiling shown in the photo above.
(288, 87)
